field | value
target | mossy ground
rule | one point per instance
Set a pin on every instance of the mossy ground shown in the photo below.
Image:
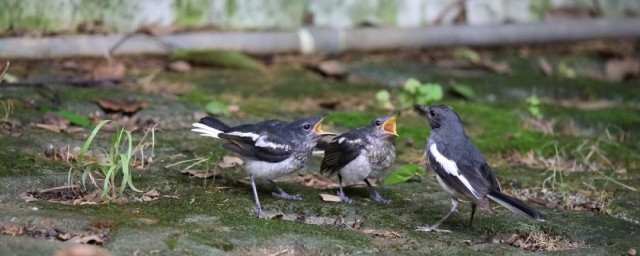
(207, 218)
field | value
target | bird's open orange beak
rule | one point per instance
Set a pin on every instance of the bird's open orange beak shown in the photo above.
(389, 126)
(318, 128)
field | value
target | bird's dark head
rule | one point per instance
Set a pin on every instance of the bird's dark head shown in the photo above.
(309, 127)
(439, 116)
(384, 127)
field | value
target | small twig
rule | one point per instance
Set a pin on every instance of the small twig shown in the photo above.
(4, 71)
(279, 253)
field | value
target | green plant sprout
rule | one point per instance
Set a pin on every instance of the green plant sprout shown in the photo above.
(413, 92)
(533, 106)
(116, 163)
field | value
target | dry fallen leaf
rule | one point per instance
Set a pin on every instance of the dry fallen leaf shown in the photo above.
(230, 161)
(379, 233)
(111, 70)
(332, 68)
(179, 66)
(315, 180)
(93, 239)
(150, 195)
(618, 69)
(330, 198)
(545, 66)
(28, 198)
(199, 173)
(122, 105)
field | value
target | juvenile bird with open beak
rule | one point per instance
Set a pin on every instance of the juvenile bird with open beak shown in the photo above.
(361, 153)
(461, 169)
(271, 149)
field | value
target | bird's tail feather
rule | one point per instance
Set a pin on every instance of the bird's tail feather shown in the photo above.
(516, 206)
(210, 126)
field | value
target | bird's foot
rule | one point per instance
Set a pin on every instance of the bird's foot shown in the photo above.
(432, 229)
(284, 195)
(344, 198)
(378, 199)
(261, 214)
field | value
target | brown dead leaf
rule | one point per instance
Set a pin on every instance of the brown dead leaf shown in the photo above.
(199, 173)
(13, 230)
(110, 70)
(330, 198)
(315, 180)
(179, 66)
(122, 105)
(150, 195)
(230, 162)
(28, 198)
(94, 197)
(618, 69)
(332, 68)
(545, 66)
(48, 127)
(87, 239)
(381, 233)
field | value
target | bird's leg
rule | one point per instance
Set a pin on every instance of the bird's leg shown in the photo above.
(473, 211)
(282, 194)
(434, 227)
(375, 195)
(341, 194)
(259, 211)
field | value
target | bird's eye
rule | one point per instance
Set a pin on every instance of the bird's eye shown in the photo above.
(378, 123)
(432, 113)
(306, 126)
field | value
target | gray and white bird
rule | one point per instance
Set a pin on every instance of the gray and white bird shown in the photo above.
(271, 149)
(361, 153)
(461, 169)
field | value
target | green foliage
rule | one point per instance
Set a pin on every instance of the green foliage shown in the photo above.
(464, 91)
(115, 164)
(219, 58)
(403, 174)
(217, 107)
(533, 106)
(466, 53)
(413, 92)
(75, 118)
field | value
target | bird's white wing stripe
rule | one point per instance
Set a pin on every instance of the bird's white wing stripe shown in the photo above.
(251, 135)
(206, 130)
(451, 168)
(264, 143)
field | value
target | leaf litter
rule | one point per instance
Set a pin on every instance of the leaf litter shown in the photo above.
(97, 232)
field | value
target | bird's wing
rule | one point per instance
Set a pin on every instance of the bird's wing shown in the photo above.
(259, 146)
(462, 175)
(342, 150)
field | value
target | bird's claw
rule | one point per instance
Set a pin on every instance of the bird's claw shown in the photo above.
(344, 198)
(378, 199)
(261, 214)
(432, 229)
(284, 195)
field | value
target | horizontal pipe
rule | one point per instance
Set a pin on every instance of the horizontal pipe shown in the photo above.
(321, 40)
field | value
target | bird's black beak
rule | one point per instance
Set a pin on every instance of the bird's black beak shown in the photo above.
(422, 110)
(318, 127)
(389, 126)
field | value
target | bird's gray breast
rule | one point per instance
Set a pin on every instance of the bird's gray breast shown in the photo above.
(381, 154)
